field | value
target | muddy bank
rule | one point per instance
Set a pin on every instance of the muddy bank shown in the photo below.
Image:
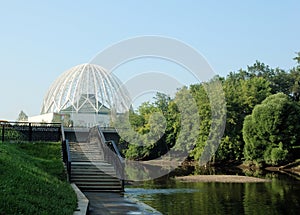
(221, 178)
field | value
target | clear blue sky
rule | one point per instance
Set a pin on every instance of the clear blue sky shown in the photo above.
(42, 39)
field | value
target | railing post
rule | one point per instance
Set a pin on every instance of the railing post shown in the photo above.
(123, 184)
(69, 171)
(3, 130)
(30, 133)
(64, 153)
(68, 162)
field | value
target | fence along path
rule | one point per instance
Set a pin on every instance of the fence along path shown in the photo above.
(29, 131)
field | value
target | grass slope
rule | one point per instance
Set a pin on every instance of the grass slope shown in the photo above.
(32, 180)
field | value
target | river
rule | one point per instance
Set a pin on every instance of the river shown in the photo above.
(169, 196)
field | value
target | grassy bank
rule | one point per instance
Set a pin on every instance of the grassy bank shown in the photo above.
(32, 180)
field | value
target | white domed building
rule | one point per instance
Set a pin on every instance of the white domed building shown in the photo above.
(85, 94)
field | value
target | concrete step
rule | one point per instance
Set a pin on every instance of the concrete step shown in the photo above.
(86, 159)
(110, 173)
(95, 164)
(93, 167)
(100, 189)
(90, 172)
(98, 183)
(78, 173)
(83, 179)
(94, 175)
(103, 185)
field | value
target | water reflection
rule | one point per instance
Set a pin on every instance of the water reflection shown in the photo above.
(281, 196)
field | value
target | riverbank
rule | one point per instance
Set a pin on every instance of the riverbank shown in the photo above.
(238, 167)
(221, 178)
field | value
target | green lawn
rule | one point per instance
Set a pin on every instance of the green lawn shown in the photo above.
(33, 180)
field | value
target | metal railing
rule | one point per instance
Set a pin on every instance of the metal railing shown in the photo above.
(29, 131)
(110, 151)
(66, 153)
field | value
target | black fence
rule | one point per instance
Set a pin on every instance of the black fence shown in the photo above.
(66, 153)
(29, 131)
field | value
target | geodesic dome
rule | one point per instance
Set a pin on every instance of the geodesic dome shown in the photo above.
(86, 88)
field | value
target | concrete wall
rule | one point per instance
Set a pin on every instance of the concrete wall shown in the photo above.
(42, 118)
(85, 120)
(90, 119)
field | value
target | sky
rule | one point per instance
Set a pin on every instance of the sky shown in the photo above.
(39, 40)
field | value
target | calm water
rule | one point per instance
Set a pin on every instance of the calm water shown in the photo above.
(281, 196)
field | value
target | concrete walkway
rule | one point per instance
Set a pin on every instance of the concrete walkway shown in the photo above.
(83, 202)
(115, 203)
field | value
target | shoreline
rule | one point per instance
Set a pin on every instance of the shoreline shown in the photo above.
(235, 172)
(221, 179)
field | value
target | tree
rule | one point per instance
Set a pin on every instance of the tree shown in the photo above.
(295, 80)
(22, 116)
(149, 136)
(211, 104)
(204, 110)
(271, 130)
(242, 91)
(297, 58)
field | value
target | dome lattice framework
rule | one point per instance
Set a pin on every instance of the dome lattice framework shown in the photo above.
(86, 88)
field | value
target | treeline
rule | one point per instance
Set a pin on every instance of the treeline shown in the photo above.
(262, 118)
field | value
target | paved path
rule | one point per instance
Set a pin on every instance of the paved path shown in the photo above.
(114, 203)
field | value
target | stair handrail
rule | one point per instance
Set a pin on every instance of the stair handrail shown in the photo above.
(113, 146)
(111, 155)
(66, 152)
(114, 149)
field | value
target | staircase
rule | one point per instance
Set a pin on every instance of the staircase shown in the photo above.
(90, 172)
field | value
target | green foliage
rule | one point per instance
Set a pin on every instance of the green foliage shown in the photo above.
(278, 155)
(212, 111)
(243, 90)
(199, 93)
(22, 116)
(64, 119)
(162, 125)
(297, 58)
(271, 130)
(11, 134)
(32, 180)
(146, 135)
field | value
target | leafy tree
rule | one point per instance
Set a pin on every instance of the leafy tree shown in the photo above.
(169, 122)
(204, 110)
(242, 91)
(212, 112)
(189, 121)
(297, 58)
(271, 130)
(148, 138)
(22, 116)
(295, 80)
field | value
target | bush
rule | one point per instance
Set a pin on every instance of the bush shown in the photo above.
(278, 156)
(272, 130)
